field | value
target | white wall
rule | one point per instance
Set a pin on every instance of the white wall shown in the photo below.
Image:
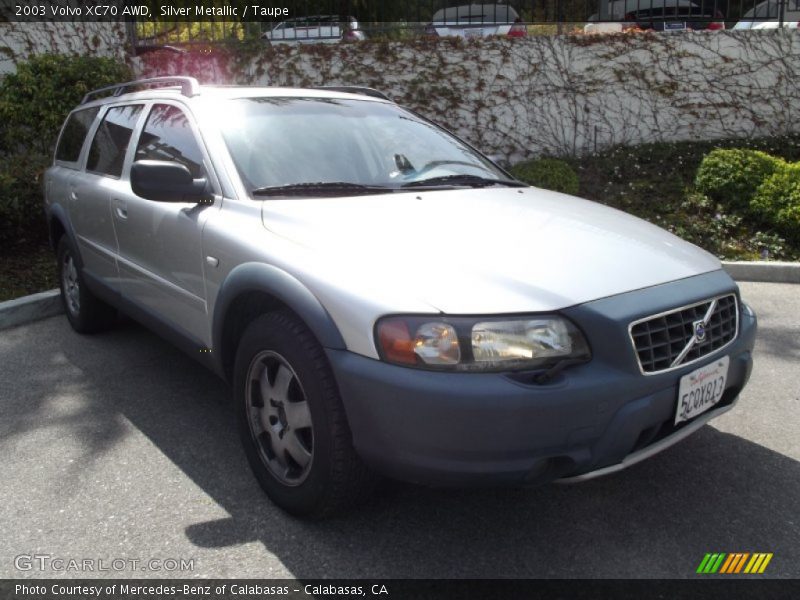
(541, 95)
(553, 95)
(21, 40)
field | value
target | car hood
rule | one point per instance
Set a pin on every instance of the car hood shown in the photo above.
(489, 250)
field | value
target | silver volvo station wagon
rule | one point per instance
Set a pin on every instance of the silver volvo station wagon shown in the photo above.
(384, 299)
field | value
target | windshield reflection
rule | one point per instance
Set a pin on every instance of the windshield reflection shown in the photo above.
(287, 141)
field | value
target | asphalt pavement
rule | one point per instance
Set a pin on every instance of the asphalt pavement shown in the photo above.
(118, 447)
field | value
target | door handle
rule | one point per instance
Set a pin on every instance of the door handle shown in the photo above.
(121, 208)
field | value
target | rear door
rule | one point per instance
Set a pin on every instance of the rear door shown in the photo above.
(316, 30)
(91, 190)
(282, 32)
(474, 20)
(59, 179)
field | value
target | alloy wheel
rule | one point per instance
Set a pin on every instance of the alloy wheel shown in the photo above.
(279, 417)
(72, 290)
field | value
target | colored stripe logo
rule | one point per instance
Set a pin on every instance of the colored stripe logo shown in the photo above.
(735, 562)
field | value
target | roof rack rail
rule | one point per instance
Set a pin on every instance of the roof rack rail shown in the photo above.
(353, 89)
(189, 86)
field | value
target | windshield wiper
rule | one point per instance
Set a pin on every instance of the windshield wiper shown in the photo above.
(462, 180)
(321, 188)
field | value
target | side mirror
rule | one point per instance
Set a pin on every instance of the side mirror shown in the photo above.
(164, 181)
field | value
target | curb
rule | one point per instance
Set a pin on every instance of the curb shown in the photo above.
(768, 272)
(48, 304)
(30, 308)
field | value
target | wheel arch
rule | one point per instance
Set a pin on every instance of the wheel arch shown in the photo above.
(58, 226)
(253, 289)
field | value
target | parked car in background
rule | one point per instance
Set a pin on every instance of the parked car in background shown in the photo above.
(323, 29)
(767, 15)
(657, 15)
(775, 25)
(477, 20)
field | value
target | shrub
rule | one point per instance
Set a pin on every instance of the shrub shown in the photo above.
(700, 220)
(731, 177)
(21, 208)
(547, 173)
(777, 201)
(34, 102)
(767, 245)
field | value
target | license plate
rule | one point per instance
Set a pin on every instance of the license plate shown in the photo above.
(674, 26)
(470, 33)
(701, 389)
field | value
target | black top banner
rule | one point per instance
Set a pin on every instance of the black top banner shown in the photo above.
(403, 13)
(56, 11)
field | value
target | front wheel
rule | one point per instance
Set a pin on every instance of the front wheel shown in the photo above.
(292, 421)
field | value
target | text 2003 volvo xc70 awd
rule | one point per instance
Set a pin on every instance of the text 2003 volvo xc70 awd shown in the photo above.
(382, 297)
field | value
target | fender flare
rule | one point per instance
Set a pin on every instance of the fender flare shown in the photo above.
(259, 277)
(56, 212)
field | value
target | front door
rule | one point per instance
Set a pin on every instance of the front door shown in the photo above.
(160, 243)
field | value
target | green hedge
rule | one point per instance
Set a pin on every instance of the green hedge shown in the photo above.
(777, 201)
(34, 102)
(548, 173)
(731, 177)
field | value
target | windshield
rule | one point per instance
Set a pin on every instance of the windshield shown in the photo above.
(302, 142)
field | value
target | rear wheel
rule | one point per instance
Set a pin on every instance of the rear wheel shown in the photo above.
(85, 312)
(292, 421)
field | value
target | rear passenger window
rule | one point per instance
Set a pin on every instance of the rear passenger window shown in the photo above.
(110, 143)
(168, 136)
(75, 130)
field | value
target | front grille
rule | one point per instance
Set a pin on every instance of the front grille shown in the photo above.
(660, 340)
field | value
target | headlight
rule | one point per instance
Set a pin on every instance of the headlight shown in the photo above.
(437, 344)
(484, 344)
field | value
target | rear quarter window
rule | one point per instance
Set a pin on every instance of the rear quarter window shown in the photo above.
(74, 133)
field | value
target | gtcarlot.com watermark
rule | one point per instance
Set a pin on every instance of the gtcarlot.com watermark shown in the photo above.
(70, 564)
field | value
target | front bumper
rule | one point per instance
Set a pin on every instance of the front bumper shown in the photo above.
(490, 428)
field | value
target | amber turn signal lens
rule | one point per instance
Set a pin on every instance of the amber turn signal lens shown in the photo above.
(396, 342)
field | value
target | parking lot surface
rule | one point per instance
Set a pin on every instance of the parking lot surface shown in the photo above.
(117, 446)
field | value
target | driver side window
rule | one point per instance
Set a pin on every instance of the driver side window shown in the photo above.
(168, 136)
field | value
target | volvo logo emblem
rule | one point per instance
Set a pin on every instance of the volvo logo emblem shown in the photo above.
(699, 330)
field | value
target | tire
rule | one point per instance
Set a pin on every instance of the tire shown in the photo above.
(292, 421)
(85, 312)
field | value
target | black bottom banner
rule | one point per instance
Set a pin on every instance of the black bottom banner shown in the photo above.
(398, 589)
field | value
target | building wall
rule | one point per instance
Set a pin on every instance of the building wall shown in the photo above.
(21, 40)
(563, 95)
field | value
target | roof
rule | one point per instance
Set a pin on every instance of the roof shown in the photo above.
(319, 19)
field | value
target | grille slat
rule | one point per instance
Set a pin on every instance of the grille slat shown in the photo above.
(659, 340)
